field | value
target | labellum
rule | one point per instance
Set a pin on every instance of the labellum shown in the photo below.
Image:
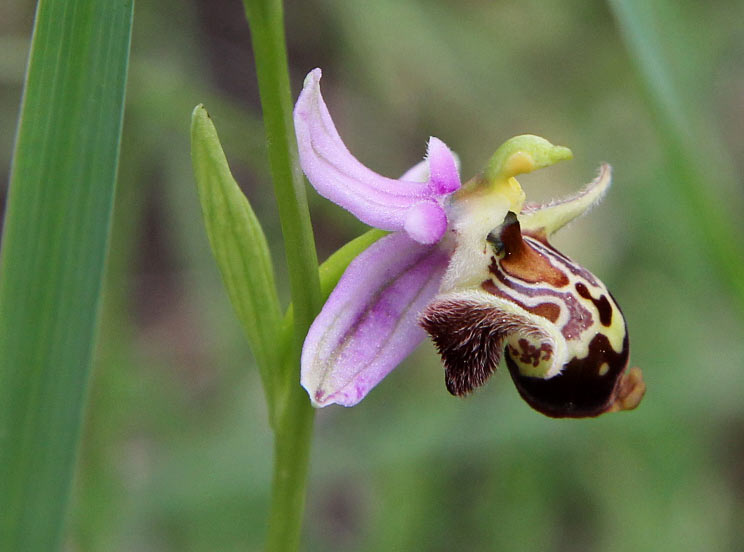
(563, 335)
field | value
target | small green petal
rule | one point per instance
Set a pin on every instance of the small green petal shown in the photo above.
(551, 217)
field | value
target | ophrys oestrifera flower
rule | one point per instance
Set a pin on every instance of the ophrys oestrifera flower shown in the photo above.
(469, 264)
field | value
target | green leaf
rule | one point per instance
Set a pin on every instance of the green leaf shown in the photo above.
(53, 251)
(239, 247)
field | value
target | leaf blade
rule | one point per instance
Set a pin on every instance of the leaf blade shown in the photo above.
(55, 238)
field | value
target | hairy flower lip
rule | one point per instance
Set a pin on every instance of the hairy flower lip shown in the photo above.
(470, 264)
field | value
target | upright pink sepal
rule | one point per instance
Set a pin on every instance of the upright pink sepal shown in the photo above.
(374, 199)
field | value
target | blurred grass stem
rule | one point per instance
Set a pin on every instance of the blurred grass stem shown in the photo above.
(695, 157)
(294, 415)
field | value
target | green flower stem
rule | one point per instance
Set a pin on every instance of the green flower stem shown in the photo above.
(267, 31)
(294, 415)
(292, 439)
(292, 449)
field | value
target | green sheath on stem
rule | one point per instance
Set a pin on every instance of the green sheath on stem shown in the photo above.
(240, 249)
(53, 252)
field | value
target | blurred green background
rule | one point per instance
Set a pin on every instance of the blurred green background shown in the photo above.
(177, 451)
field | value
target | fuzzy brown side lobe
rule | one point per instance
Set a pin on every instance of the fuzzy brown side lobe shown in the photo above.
(469, 337)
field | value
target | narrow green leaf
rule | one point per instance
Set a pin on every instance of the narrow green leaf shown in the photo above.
(53, 251)
(239, 246)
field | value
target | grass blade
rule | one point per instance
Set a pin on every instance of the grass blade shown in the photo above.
(672, 67)
(53, 252)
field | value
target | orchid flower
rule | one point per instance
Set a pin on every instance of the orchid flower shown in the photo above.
(469, 264)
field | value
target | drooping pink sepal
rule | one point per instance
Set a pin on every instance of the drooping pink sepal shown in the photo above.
(374, 199)
(370, 322)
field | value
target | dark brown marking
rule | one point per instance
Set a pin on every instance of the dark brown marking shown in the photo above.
(579, 318)
(551, 311)
(511, 236)
(521, 260)
(570, 265)
(578, 391)
(602, 304)
(529, 354)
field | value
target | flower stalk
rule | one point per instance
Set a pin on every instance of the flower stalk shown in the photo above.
(293, 416)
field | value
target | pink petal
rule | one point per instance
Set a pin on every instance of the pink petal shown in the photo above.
(426, 222)
(337, 175)
(443, 175)
(370, 322)
(418, 173)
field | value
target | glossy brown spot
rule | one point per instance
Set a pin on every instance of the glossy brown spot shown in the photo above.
(523, 261)
(602, 304)
(551, 311)
(544, 247)
(579, 391)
